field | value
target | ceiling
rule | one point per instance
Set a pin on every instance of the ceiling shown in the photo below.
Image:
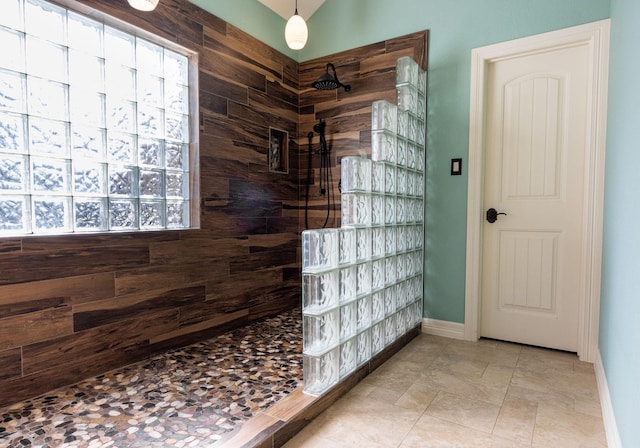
(286, 8)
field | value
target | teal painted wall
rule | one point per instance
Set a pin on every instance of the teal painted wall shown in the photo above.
(620, 299)
(456, 26)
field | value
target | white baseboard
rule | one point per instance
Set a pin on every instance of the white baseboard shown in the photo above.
(443, 328)
(609, 419)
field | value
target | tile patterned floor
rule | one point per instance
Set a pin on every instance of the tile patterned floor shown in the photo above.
(439, 392)
(185, 397)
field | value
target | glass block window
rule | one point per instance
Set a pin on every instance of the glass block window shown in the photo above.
(94, 125)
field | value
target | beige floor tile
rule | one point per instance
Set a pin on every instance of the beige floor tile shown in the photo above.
(474, 414)
(363, 422)
(516, 421)
(577, 385)
(418, 397)
(430, 432)
(477, 389)
(567, 429)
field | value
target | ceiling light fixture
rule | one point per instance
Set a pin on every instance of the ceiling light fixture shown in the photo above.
(144, 5)
(295, 33)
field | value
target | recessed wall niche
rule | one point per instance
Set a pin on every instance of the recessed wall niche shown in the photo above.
(278, 154)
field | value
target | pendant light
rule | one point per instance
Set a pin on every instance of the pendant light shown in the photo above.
(296, 33)
(144, 5)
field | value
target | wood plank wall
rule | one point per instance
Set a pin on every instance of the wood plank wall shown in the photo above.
(79, 305)
(370, 70)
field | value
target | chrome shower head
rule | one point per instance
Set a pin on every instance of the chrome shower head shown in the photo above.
(328, 82)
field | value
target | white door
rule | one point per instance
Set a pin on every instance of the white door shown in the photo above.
(536, 132)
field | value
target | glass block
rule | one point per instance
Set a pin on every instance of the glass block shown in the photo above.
(400, 267)
(321, 372)
(120, 83)
(383, 116)
(12, 91)
(383, 146)
(377, 306)
(347, 283)
(364, 312)
(390, 240)
(389, 330)
(419, 184)
(88, 143)
(12, 44)
(123, 181)
(400, 322)
(377, 242)
(363, 244)
(400, 210)
(14, 214)
(177, 127)
(46, 20)
(48, 137)
(177, 185)
(407, 71)
(149, 57)
(12, 16)
(410, 183)
(176, 67)
(177, 156)
(85, 34)
(401, 239)
(176, 97)
(403, 124)
(422, 106)
(422, 81)
(414, 129)
(377, 209)
(319, 249)
(89, 178)
(150, 91)
(86, 73)
(320, 333)
(407, 98)
(88, 108)
(14, 175)
(377, 338)
(390, 270)
(152, 214)
(377, 177)
(177, 214)
(356, 174)
(389, 210)
(389, 300)
(411, 156)
(410, 266)
(401, 295)
(401, 181)
(348, 357)
(50, 175)
(48, 99)
(419, 261)
(121, 115)
(13, 132)
(90, 214)
(356, 209)
(364, 346)
(348, 320)
(47, 60)
(390, 179)
(401, 154)
(119, 47)
(347, 245)
(150, 152)
(51, 214)
(150, 121)
(319, 291)
(363, 279)
(121, 148)
(377, 274)
(123, 214)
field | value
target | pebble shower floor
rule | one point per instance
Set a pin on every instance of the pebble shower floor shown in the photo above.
(362, 284)
(187, 397)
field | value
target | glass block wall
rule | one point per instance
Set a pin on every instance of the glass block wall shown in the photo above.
(362, 284)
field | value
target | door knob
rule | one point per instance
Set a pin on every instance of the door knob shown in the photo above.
(492, 215)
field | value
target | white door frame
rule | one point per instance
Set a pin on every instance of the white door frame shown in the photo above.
(596, 36)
